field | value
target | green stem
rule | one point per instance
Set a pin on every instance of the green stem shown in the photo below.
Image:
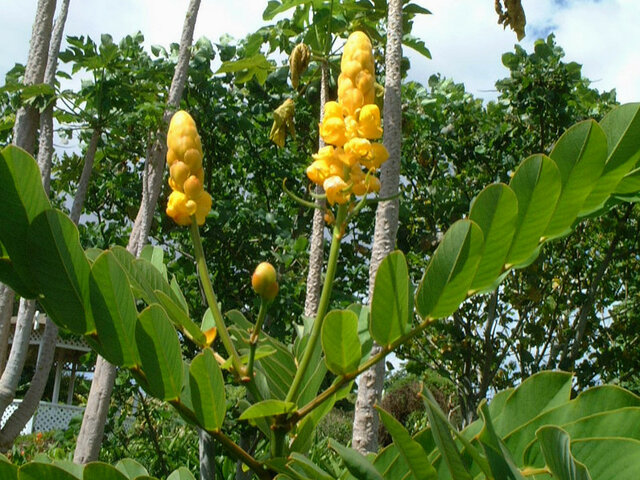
(343, 379)
(338, 232)
(255, 335)
(210, 295)
(278, 437)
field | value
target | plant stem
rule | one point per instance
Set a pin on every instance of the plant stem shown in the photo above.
(347, 377)
(211, 297)
(338, 232)
(255, 335)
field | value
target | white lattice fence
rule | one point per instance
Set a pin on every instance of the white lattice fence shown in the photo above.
(7, 413)
(48, 417)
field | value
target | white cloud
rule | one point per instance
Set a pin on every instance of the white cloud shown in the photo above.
(467, 44)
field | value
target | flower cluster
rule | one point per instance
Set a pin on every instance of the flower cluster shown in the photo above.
(348, 126)
(184, 158)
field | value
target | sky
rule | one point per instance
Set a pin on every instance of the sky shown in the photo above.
(465, 40)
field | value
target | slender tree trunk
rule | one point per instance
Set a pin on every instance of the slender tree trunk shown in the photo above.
(314, 276)
(365, 423)
(26, 124)
(95, 416)
(24, 130)
(17, 356)
(27, 407)
(85, 176)
(6, 312)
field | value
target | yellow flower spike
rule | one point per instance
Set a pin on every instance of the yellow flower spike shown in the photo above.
(184, 157)
(337, 190)
(369, 122)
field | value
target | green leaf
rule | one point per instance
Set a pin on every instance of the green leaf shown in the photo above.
(537, 394)
(366, 342)
(536, 184)
(554, 443)
(255, 66)
(356, 463)
(495, 210)
(391, 310)
(630, 183)
(8, 471)
(207, 390)
(449, 274)
(180, 319)
(155, 256)
(410, 450)
(274, 7)
(622, 128)
(301, 463)
(609, 458)
(181, 473)
(590, 403)
(103, 471)
(580, 154)
(114, 311)
(61, 271)
(267, 408)
(500, 461)
(160, 355)
(416, 44)
(442, 437)
(43, 471)
(414, 9)
(131, 468)
(340, 341)
(22, 198)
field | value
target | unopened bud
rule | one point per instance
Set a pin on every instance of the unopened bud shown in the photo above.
(264, 281)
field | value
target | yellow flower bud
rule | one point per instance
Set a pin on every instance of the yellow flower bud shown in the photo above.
(193, 187)
(332, 130)
(177, 209)
(332, 109)
(210, 335)
(358, 146)
(337, 190)
(179, 173)
(203, 206)
(377, 156)
(369, 122)
(193, 158)
(264, 281)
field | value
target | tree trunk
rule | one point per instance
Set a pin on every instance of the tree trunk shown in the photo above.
(95, 416)
(316, 249)
(24, 130)
(85, 176)
(27, 407)
(365, 423)
(17, 356)
(26, 124)
(45, 141)
(6, 312)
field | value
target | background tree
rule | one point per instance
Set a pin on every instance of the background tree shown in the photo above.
(459, 145)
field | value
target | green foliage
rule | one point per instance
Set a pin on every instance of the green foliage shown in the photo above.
(559, 433)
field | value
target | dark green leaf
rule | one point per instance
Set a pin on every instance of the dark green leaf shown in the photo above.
(160, 355)
(207, 390)
(340, 341)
